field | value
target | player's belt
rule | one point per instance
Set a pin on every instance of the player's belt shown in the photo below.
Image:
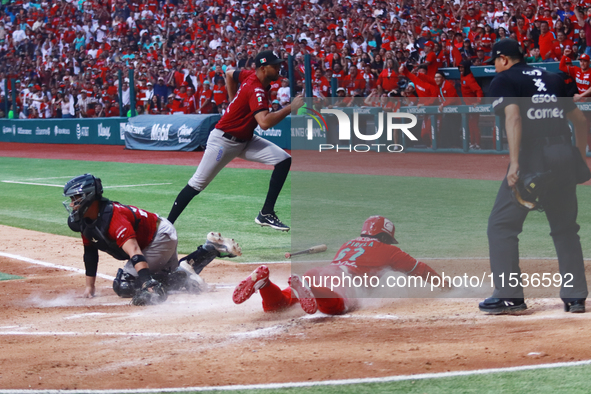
(230, 137)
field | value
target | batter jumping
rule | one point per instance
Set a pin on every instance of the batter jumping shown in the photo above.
(234, 137)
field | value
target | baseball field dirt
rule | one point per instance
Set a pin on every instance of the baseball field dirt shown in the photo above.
(51, 338)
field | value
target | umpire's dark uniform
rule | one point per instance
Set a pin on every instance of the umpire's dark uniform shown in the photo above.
(545, 145)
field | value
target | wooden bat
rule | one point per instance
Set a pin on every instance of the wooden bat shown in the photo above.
(313, 249)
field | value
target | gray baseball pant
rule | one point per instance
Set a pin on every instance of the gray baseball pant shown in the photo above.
(220, 151)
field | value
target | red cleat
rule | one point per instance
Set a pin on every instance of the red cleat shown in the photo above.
(301, 291)
(245, 289)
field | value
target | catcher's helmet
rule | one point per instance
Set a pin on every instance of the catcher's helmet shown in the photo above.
(379, 227)
(83, 190)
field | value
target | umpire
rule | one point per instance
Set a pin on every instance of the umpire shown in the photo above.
(535, 109)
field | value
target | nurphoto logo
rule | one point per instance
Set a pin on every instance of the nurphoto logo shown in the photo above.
(393, 121)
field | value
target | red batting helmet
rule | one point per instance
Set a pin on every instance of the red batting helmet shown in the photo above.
(376, 225)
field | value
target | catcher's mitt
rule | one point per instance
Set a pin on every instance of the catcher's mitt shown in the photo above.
(529, 188)
(151, 293)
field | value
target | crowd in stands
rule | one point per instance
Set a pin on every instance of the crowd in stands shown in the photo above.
(65, 56)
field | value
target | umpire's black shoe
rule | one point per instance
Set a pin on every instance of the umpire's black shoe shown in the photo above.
(271, 220)
(498, 306)
(574, 306)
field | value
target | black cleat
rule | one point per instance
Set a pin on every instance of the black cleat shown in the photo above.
(498, 306)
(575, 306)
(271, 220)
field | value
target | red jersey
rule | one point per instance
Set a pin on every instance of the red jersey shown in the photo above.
(365, 255)
(351, 84)
(433, 65)
(250, 99)
(121, 228)
(220, 94)
(447, 92)
(471, 89)
(388, 79)
(546, 43)
(320, 86)
(558, 48)
(425, 90)
(203, 97)
(582, 78)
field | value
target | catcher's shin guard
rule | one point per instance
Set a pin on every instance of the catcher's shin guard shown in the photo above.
(172, 281)
(124, 284)
(199, 259)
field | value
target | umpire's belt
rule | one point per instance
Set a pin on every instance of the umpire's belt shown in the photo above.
(553, 140)
(230, 137)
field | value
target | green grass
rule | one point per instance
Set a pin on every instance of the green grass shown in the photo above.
(4, 276)
(229, 205)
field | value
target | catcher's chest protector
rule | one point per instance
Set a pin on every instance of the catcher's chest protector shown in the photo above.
(97, 232)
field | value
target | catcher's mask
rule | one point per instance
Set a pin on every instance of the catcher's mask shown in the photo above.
(82, 191)
(379, 227)
(530, 189)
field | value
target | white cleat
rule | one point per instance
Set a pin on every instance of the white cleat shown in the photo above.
(225, 246)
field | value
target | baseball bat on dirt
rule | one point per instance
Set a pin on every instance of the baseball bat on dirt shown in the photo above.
(313, 249)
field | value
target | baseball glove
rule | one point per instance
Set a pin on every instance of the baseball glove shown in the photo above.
(151, 293)
(529, 188)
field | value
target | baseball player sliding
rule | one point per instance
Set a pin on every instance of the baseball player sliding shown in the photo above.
(147, 241)
(370, 254)
(234, 137)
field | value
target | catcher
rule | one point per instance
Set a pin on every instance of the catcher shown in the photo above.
(370, 254)
(147, 241)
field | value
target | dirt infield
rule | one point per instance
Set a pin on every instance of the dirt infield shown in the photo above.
(51, 338)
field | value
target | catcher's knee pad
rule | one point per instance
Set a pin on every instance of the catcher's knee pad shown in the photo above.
(199, 259)
(124, 284)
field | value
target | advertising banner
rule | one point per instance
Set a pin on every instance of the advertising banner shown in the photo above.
(101, 131)
(168, 132)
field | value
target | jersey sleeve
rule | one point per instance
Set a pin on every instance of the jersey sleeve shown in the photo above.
(258, 100)
(402, 261)
(565, 68)
(121, 228)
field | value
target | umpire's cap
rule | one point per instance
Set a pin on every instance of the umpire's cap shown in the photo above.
(267, 58)
(507, 47)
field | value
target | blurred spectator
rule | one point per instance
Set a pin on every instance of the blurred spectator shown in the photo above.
(206, 106)
(275, 106)
(472, 94)
(67, 107)
(284, 92)
(546, 41)
(65, 47)
(161, 90)
(388, 78)
(220, 93)
(534, 55)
